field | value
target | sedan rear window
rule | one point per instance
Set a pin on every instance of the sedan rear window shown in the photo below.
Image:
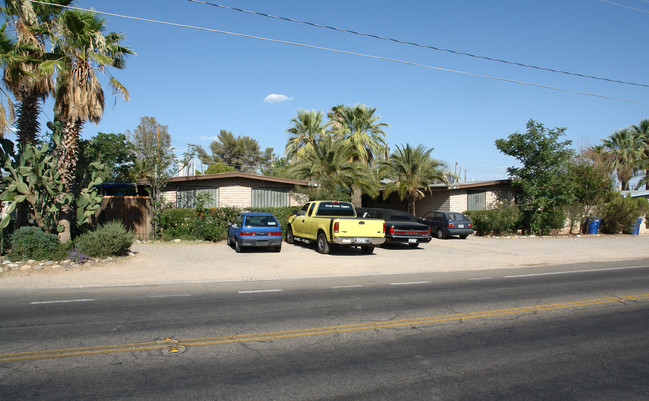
(260, 221)
(456, 217)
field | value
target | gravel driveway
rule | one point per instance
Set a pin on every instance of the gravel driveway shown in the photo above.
(164, 263)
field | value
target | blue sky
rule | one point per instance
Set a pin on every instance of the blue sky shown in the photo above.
(199, 82)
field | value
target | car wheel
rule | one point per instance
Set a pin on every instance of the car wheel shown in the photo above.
(414, 245)
(278, 248)
(322, 245)
(367, 249)
(440, 233)
(289, 235)
(237, 246)
(463, 236)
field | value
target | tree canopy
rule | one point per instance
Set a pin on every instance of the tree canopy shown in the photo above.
(242, 153)
(543, 177)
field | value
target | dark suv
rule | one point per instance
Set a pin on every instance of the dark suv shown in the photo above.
(445, 224)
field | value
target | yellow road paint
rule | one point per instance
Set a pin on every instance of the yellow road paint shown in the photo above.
(279, 335)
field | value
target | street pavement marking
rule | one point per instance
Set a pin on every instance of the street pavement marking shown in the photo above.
(258, 291)
(576, 271)
(411, 283)
(335, 287)
(170, 295)
(349, 328)
(62, 301)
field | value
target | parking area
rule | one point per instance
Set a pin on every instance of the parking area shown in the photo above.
(165, 263)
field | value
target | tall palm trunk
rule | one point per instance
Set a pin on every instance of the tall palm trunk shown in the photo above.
(357, 197)
(68, 154)
(27, 117)
(27, 126)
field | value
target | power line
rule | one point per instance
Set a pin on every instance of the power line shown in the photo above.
(617, 4)
(425, 46)
(351, 53)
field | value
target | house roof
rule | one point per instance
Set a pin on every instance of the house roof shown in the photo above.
(635, 193)
(470, 185)
(223, 176)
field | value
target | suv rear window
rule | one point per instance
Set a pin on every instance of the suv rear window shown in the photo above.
(338, 209)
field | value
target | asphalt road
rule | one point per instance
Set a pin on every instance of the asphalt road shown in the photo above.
(559, 332)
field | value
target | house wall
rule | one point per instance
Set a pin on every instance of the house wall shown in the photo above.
(457, 200)
(234, 192)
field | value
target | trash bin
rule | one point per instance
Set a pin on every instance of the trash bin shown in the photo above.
(635, 230)
(592, 225)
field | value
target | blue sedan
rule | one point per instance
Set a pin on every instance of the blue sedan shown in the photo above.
(255, 230)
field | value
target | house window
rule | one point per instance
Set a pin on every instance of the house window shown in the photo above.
(269, 197)
(476, 200)
(186, 196)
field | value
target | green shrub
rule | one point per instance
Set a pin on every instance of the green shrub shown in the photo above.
(552, 220)
(33, 243)
(503, 218)
(110, 239)
(210, 224)
(620, 214)
(193, 224)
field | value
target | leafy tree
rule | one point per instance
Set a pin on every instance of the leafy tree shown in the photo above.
(543, 177)
(80, 49)
(114, 151)
(624, 150)
(409, 172)
(306, 130)
(242, 153)
(155, 161)
(592, 184)
(280, 167)
(219, 168)
(360, 129)
(641, 131)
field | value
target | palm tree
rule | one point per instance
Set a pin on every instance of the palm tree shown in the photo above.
(329, 163)
(409, 171)
(307, 129)
(32, 23)
(359, 127)
(81, 48)
(624, 151)
(7, 46)
(641, 131)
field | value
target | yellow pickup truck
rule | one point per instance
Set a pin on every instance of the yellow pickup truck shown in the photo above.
(331, 223)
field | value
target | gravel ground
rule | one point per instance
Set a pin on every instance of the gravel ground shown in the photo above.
(165, 263)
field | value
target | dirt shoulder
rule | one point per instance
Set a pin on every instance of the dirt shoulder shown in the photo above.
(167, 263)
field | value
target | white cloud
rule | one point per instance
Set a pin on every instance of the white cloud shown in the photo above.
(277, 98)
(208, 138)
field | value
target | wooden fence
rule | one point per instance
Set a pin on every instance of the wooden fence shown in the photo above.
(133, 211)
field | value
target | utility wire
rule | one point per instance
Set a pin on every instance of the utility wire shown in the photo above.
(425, 46)
(621, 5)
(349, 53)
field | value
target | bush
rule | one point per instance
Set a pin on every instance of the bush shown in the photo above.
(192, 224)
(620, 214)
(503, 218)
(552, 220)
(33, 243)
(210, 224)
(110, 239)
